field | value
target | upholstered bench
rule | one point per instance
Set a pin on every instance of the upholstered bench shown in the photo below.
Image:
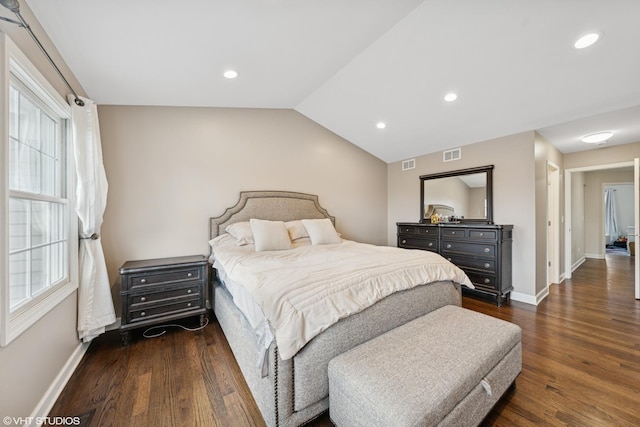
(448, 367)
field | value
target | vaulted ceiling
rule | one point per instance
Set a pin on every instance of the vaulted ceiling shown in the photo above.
(350, 65)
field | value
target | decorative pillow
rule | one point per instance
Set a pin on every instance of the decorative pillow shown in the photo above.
(241, 231)
(296, 230)
(321, 231)
(270, 235)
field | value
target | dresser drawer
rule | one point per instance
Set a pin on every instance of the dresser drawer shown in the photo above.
(483, 281)
(161, 277)
(162, 294)
(484, 265)
(172, 306)
(454, 233)
(475, 249)
(483, 234)
(410, 242)
(420, 231)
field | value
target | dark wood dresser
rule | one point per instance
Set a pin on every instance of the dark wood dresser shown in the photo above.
(156, 291)
(483, 251)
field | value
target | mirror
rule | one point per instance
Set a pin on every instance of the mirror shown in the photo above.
(464, 195)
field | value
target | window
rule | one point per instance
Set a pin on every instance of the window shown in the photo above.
(40, 252)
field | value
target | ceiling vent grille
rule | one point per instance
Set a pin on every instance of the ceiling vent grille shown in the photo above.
(408, 164)
(451, 155)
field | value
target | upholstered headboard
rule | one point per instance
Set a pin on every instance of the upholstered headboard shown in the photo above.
(271, 205)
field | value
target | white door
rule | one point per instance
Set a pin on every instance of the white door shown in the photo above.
(636, 195)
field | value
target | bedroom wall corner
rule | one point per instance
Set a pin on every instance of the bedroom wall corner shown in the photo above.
(171, 168)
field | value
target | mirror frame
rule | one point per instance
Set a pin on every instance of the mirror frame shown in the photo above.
(488, 170)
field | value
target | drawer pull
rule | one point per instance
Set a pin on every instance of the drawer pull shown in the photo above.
(143, 280)
(487, 265)
(142, 314)
(449, 246)
(404, 241)
(487, 250)
(406, 230)
(453, 232)
(430, 244)
(143, 299)
(449, 259)
(189, 274)
(189, 305)
(188, 291)
(487, 281)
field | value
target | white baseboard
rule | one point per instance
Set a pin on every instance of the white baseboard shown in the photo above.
(56, 387)
(578, 263)
(525, 298)
(594, 256)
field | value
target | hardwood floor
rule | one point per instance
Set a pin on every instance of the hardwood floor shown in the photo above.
(581, 366)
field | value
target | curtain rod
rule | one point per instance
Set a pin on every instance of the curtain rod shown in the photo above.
(14, 7)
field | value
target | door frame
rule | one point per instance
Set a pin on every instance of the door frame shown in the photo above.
(567, 212)
(553, 223)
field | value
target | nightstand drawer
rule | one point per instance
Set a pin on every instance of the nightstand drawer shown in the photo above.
(162, 277)
(173, 306)
(150, 297)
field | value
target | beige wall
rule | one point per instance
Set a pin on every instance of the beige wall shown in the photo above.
(547, 155)
(170, 169)
(29, 364)
(513, 200)
(577, 219)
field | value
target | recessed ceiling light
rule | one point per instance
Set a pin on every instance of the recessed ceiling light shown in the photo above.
(450, 97)
(586, 40)
(381, 125)
(595, 138)
(231, 74)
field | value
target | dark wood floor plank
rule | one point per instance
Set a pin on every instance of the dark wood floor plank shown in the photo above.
(581, 365)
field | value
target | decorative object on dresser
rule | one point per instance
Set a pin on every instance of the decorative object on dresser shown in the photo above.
(456, 221)
(155, 291)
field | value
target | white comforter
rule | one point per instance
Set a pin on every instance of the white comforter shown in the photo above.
(303, 291)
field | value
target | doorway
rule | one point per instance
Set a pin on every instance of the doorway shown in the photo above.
(576, 224)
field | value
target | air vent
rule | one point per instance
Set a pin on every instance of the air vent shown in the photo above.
(451, 155)
(408, 164)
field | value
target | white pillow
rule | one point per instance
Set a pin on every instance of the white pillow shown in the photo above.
(296, 229)
(321, 231)
(270, 235)
(241, 231)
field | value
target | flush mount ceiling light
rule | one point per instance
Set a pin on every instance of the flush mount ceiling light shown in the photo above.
(381, 125)
(586, 40)
(450, 97)
(231, 74)
(595, 138)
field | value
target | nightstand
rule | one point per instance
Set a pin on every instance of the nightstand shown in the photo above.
(156, 291)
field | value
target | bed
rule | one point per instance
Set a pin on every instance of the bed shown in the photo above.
(289, 382)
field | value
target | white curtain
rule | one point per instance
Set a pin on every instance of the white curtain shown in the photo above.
(95, 306)
(610, 215)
